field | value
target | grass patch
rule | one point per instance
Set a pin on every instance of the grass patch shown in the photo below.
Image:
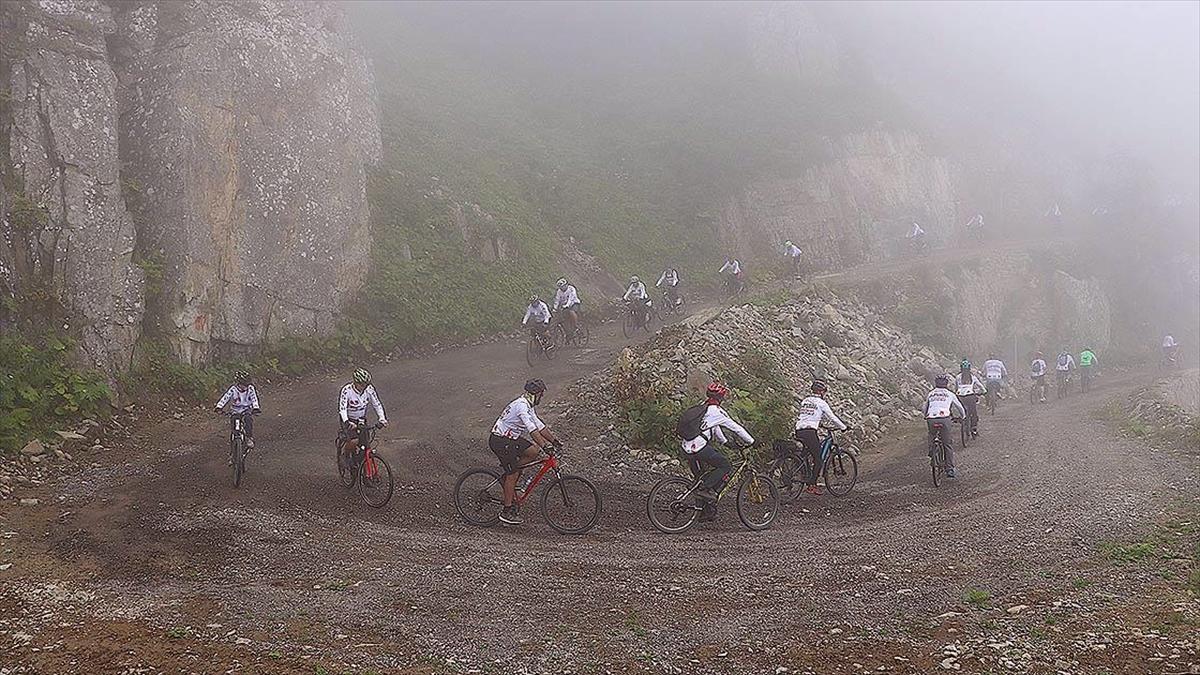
(1126, 553)
(179, 632)
(977, 598)
(43, 389)
(633, 622)
(1081, 583)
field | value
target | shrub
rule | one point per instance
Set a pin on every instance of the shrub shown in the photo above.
(42, 389)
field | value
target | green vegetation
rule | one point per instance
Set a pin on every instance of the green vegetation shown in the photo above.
(42, 389)
(1126, 553)
(977, 598)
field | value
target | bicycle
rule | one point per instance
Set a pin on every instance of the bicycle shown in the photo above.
(672, 306)
(539, 344)
(794, 467)
(734, 286)
(1064, 384)
(1037, 386)
(937, 458)
(673, 507)
(993, 392)
(637, 316)
(570, 503)
(366, 468)
(580, 338)
(237, 447)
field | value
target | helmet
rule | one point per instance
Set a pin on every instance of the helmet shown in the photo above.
(533, 298)
(941, 381)
(965, 365)
(535, 387)
(561, 283)
(634, 279)
(819, 387)
(362, 376)
(788, 242)
(1039, 355)
(716, 391)
(241, 377)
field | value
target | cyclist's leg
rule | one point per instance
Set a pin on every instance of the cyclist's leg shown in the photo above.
(509, 451)
(812, 447)
(947, 439)
(710, 456)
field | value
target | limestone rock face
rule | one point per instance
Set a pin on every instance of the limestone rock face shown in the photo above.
(247, 129)
(66, 240)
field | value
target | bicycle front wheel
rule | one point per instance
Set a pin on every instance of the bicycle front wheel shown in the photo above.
(571, 505)
(757, 501)
(239, 461)
(841, 473)
(667, 508)
(531, 348)
(478, 497)
(582, 334)
(375, 484)
(627, 326)
(790, 472)
(962, 432)
(345, 467)
(935, 464)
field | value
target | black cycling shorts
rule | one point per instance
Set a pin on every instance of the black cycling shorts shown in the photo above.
(509, 451)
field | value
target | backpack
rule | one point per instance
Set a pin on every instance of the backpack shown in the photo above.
(691, 422)
(1063, 360)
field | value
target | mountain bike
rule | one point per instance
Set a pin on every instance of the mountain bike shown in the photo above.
(1036, 387)
(570, 504)
(993, 393)
(793, 467)
(539, 345)
(937, 458)
(582, 335)
(671, 306)
(366, 468)
(237, 446)
(1064, 383)
(637, 316)
(964, 433)
(673, 505)
(734, 286)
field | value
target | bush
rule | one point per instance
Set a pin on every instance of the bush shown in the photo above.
(42, 390)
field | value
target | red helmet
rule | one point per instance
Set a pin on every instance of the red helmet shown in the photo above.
(717, 391)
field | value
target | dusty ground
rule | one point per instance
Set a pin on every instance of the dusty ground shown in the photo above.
(1061, 548)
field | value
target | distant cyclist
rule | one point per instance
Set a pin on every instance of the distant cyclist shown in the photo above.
(939, 410)
(517, 437)
(1037, 373)
(566, 301)
(968, 387)
(732, 273)
(637, 296)
(1063, 365)
(814, 409)
(1170, 350)
(702, 451)
(995, 373)
(1088, 365)
(537, 317)
(916, 237)
(352, 411)
(668, 281)
(245, 400)
(791, 254)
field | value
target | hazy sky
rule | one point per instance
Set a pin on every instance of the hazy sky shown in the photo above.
(1107, 75)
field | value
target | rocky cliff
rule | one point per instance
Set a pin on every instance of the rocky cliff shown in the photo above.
(218, 149)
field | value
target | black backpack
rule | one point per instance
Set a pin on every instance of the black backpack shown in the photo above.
(691, 422)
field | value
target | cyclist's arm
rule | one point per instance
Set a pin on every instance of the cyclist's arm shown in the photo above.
(343, 402)
(955, 404)
(225, 399)
(254, 399)
(528, 313)
(378, 405)
(727, 422)
(661, 279)
(832, 417)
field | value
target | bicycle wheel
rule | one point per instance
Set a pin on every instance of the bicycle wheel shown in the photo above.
(478, 496)
(757, 501)
(345, 468)
(935, 463)
(841, 473)
(571, 505)
(789, 470)
(582, 334)
(375, 484)
(627, 327)
(962, 432)
(548, 351)
(668, 505)
(239, 461)
(530, 350)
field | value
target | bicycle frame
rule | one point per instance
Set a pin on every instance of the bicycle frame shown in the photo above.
(730, 483)
(548, 464)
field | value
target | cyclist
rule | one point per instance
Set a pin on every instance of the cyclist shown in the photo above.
(916, 237)
(1064, 364)
(732, 270)
(1169, 349)
(813, 409)
(939, 409)
(1037, 373)
(995, 373)
(701, 451)
(537, 318)
(968, 387)
(517, 438)
(792, 253)
(974, 226)
(352, 412)
(669, 282)
(637, 296)
(245, 399)
(566, 300)
(1087, 362)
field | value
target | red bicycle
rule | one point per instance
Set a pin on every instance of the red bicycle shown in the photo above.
(366, 468)
(570, 503)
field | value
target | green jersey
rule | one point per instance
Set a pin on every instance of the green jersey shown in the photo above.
(1087, 358)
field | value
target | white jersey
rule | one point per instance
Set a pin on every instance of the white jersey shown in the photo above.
(518, 420)
(1168, 342)
(566, 298)
(940, 403)
(668, 277)
(716, 419)
(1037, 368)
(242, 400)
(792, 251)
(993, 369)
(732, 266)
(916, 231)
(636, 292)
(353, 406)
(969, 386)
(1065, 362)
(812, 410)
(539, 313)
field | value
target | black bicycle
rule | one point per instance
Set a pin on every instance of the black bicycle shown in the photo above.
(579, 338)
(793, 467)
(540, 344)
(638, 316)
(672, 306)
(1064, 383)
(937, 452)
(237, 446)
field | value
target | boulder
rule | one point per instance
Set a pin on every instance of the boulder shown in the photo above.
(33, 448)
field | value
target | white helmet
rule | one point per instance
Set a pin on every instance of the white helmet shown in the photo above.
(561, 283)
(634, 279)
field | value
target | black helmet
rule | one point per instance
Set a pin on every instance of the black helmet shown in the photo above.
(819, 387)
(941, 381)
(241, 377)
(535, 387)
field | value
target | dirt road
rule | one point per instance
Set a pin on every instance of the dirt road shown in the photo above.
(156, 564)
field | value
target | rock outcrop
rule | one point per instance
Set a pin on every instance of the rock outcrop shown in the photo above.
(221, 148)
